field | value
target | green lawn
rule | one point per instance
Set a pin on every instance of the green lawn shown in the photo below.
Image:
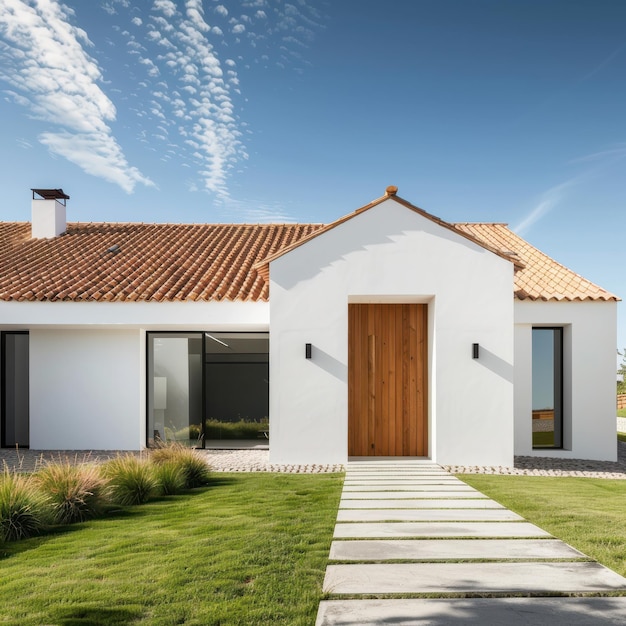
(251, 549)
(587, 513)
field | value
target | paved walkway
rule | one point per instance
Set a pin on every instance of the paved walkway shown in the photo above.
(415, 545)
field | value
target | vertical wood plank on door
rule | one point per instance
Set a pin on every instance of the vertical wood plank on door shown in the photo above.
(422, 360)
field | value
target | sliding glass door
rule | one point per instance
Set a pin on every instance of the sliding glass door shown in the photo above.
(547, 381)
(208, 389)
(175, 388)
(15, 390)
(237, 388)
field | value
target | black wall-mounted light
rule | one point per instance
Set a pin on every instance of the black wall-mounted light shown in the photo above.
(307, 350)
(475, 350)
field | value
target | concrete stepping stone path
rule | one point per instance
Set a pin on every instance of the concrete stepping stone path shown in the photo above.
(408, 528)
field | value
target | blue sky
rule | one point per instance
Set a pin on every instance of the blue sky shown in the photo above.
(303, 110)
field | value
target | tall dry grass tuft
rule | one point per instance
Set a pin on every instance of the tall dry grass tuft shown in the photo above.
(131, 480)
(196, 471)
(24, 509)
(77, 492)
(171, 477)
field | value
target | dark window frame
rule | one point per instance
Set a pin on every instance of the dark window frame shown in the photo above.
(203, 332)
(559, 399)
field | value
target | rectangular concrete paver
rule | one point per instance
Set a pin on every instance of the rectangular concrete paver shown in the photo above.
(390, 482)
(427, 515)
(403, 494)
(475, 611)
(443, 503)
(447, 549)
(385, 530)
(451, 488)
(471, 578)
(400, 476)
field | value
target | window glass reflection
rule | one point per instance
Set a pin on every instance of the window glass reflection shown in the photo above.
(547, 387)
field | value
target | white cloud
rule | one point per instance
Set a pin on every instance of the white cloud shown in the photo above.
(256, 212)
(611, 153)
(199, 98)
(546, 203)
(220, 9)
(23, 143)
(238, 29)
(153, 70)
(136, 21)
(167, 7)
(195, 13)
(96, 154)
(47, 63)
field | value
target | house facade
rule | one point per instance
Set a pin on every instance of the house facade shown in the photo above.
(389, 332)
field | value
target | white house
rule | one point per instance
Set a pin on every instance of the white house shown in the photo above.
(389, 332)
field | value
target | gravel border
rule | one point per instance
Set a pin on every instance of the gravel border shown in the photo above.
(219, 460)
(548, 466)
(258, 461)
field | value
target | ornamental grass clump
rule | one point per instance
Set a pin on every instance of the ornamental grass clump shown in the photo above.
(76, 492)
(24, 510)
(131, 480)
(196, 471)
(170, 477)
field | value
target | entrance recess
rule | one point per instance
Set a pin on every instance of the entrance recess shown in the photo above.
(387, 380)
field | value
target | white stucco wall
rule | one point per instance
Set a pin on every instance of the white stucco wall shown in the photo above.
(224, 315)
(87, 390)
(88, 363)
(392, 254)
(589, 342)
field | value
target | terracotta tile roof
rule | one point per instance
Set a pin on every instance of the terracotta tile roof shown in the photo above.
(538, 277)
(110, 262)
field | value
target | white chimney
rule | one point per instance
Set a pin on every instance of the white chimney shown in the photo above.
(48, 213)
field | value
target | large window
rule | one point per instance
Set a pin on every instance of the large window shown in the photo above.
(208, 389)
(15, 384)
(547, 381)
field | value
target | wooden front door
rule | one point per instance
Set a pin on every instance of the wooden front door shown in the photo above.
(387, 380)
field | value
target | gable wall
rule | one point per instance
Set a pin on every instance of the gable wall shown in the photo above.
(392, 254)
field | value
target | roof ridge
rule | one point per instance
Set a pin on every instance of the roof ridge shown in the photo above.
(389, 195)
